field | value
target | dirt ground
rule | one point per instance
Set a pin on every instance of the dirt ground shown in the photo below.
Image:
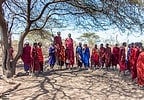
(66, 84)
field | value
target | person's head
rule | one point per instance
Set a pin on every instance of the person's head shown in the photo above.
(116, 45)
(124, 44)
(85, 45)
(69, 35)
(141, 49)
(95, 45)
(107, 45)
(35, 44)
(80, 44)
(58, 33)
(39, 44)
(52, 43)
(101, 45)
(132, 45)
(26, 44)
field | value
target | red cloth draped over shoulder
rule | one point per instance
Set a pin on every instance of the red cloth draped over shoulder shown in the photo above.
(115, 56)
(133, 60)
(108, 56)
(140, 69)
(35, 60)
(122, 59)
(95, 56)
(40, 54)
(69, 50)
(26, 55)
(58, 40)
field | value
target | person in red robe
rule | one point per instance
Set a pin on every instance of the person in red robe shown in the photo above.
(134, 57)
(62, 57)
(35, 59)
(95, 57)
(69, 50)
(122, 58)
(57, 39)
(140, 68)
(58, 44)
(107, 56)
(26, 57)
(115, 56)
(102, 55)
(40, 56)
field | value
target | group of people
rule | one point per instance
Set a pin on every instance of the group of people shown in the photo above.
(129, 58)
(32, 58)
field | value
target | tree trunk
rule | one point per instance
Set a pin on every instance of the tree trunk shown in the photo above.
(6, 62)
(5, 48)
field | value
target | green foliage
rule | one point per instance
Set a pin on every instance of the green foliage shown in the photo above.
(39, 35)
(90, 38)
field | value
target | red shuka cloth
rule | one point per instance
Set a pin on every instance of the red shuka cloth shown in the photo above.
(40, 54)
(35, 60)
(26, 55)
(95, 56)
(115, 55)
(140, 69)
(108, 56)
(69, 50)
(133, 59)
(122, 59)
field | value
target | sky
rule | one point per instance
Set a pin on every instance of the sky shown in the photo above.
(103, 35)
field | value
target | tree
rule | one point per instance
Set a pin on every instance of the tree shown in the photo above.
(31, 15)
(91, 38)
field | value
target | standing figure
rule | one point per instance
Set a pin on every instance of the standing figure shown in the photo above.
(58, 44)
(52, 57)
(107, 56)
(134, 57)
(122, 58)
(61, 57)
(140, 68)
(95, 57)
(86, 56)
(115, 56)
(102, 55)
(26, 57)
(35, 59)
(128, 64)
(79, 55)
(69, 50)
(40, 56)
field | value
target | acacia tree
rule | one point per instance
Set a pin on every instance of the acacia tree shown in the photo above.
(31, 15)
(91, 38)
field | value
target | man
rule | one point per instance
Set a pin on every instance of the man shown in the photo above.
(122, 58)
(35, 59)
(61, 57)
(134, 57)
(86, 56)
(140, 68)
(102, 55)
(115, 55)
(69, 50)
(95, 57)
(79, 55)
(58, 44)
(57, 39)
(107, 56)
(40, 56)
(26, 57)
